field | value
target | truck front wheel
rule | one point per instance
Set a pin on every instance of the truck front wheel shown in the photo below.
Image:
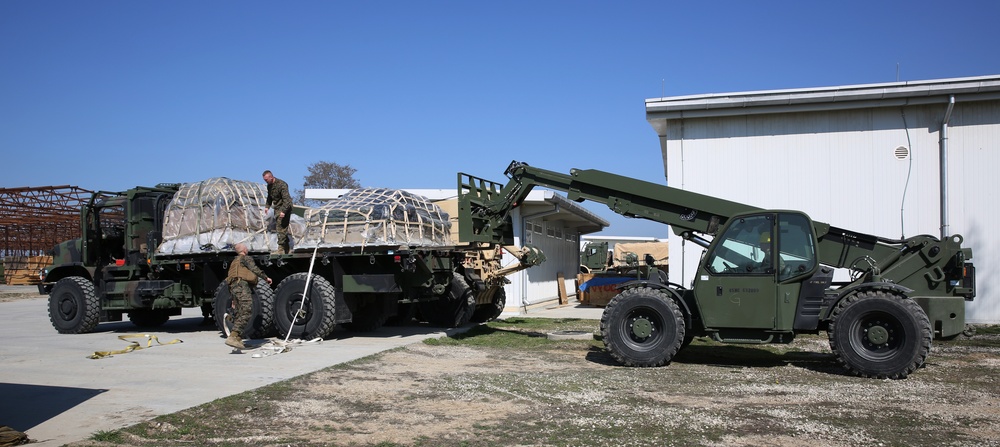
(879, 334)
(642, 327)
(261, 317)
(316, 319)
(74, 307)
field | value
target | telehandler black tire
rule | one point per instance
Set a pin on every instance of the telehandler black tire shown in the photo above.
(318, 319)
(74, 307)
(879, 334)
(261, 318)
(643, 327)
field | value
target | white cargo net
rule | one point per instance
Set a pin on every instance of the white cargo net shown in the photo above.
(376, 217)
(214, 215)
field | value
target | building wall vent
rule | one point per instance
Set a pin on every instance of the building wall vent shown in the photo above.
(902, 153)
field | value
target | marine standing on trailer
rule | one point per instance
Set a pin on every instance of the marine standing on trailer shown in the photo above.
(281, 200)
(242, 278)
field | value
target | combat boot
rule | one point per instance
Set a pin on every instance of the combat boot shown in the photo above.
(235, 341)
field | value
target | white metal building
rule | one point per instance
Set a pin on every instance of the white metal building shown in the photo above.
(895, 159)
(546, 220)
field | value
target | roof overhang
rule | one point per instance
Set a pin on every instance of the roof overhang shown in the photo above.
(571, 214)
(894, 94)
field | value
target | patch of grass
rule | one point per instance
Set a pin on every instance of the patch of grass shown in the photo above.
(112, 436)
(518, 333)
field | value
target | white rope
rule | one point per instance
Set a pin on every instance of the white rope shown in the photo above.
(305, 290)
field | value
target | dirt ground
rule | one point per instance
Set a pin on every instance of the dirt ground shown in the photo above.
(535, 392)
(571, 393)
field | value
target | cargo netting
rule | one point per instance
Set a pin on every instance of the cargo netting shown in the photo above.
(214, 215)
(376, 217)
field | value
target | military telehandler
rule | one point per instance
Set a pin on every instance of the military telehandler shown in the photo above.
(765, 275)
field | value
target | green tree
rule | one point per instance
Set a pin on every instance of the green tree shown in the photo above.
(326, 175)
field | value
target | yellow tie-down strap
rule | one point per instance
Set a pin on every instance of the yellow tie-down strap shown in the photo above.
(134, 345)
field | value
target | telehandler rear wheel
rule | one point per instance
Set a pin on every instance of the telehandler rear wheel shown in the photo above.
(642, 327)
(879, 334)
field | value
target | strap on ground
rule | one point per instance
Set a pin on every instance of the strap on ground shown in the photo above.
(134, 345)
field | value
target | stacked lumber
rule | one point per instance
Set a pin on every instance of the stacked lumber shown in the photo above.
(23, 270)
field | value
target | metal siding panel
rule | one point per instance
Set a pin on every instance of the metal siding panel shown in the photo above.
(973, 160)
(840, 168)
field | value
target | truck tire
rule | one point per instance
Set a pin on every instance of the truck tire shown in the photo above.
(454, 308)
(642, 327)
(147, 318)
(879, 334)
(317, 320)
(490, 311)
(261, 323)
(74, 307)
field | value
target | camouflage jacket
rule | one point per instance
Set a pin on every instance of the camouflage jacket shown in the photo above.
(244, 268)
(278, 196)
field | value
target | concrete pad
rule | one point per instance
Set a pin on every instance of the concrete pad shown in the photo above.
(57, 395)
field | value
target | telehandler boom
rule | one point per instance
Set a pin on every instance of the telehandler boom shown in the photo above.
(880, 324)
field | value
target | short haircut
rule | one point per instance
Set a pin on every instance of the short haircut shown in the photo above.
(266, 171)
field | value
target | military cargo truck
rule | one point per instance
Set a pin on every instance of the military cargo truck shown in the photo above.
(150, 252)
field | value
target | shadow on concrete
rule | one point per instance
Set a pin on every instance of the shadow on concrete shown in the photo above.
(26, 406)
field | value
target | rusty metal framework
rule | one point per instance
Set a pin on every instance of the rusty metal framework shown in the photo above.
(35, 219)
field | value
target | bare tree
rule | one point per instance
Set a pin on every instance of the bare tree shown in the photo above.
(326, 175)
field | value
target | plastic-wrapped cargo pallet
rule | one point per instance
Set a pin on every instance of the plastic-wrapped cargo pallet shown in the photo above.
(214, 215)
(376, 217)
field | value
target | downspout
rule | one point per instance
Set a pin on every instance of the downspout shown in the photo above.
(524, 229)
(944, 167)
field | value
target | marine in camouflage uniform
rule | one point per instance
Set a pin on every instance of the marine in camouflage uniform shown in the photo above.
(242, 278)
(281, 200)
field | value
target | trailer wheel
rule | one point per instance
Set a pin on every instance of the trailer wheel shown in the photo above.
(491, 310)
(261, 317)
(318, 311)
(146, 318)
(642, 327)
(454, 308)
(74, 307)
(879, 334)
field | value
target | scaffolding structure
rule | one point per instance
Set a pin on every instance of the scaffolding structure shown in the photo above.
(34, 219)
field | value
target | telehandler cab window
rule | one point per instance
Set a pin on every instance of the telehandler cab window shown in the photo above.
(796, 250)
(745, 247)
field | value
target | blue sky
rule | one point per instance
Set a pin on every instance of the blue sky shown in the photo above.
(113, 94)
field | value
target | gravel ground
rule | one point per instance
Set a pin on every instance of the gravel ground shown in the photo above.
(571, 393)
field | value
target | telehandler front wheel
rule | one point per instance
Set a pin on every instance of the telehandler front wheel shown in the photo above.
(879, 334)
(642, 327)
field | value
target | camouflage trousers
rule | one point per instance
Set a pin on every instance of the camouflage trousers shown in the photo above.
(242, 303)
(281, 227)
